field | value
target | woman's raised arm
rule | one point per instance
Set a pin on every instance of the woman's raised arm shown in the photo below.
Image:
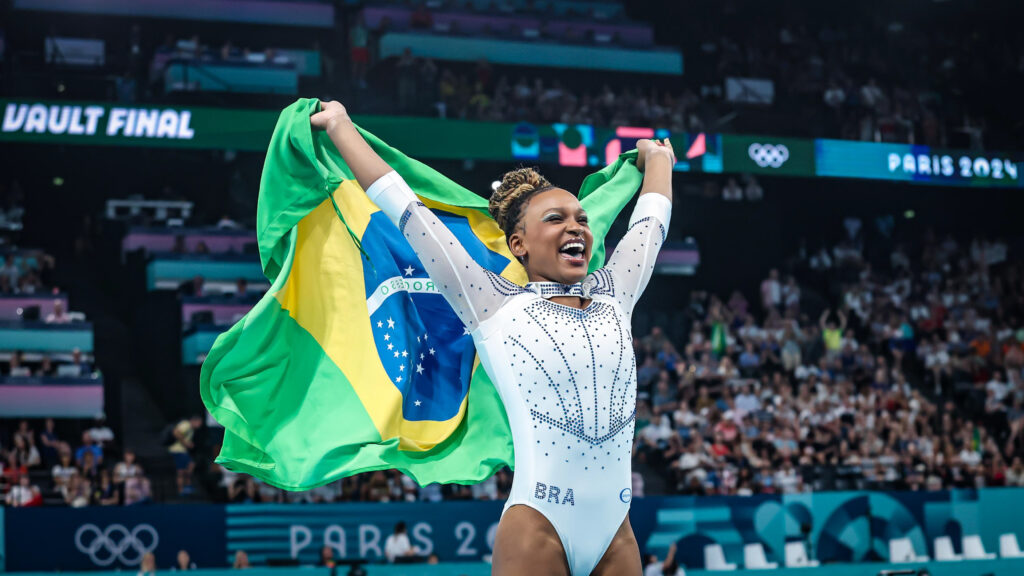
(474, 292)
(366, 165)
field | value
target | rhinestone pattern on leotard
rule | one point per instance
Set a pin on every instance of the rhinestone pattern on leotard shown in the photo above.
(576, 373)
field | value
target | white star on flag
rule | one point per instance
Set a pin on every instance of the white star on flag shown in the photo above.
(401, 367)
(380, 324)
(391, 323)
(419, 367)
(431, 351)
(417, 339)
(422, 355)
(390, 346)
(399, 379)
(425, 335)
(387, 337)
(396, 353)
(418, 402)
(405, 353)
(409, 271)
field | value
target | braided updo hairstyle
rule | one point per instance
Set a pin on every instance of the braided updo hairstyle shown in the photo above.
(516, 189)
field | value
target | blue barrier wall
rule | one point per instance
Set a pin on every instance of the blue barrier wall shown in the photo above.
(837, 527)
(47, 539)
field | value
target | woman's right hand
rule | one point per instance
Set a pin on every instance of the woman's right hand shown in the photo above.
(331, 114)
(647, 146)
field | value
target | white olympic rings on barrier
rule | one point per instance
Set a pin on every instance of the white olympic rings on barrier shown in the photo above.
(115, 543)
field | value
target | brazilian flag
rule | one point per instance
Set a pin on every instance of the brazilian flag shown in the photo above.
(353, 361)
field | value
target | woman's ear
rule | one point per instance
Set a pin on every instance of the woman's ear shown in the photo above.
(515, 244)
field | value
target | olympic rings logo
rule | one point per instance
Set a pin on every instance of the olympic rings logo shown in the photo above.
(768, 155)
(116, 543)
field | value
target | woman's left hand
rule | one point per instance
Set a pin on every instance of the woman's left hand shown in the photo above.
(647, 146)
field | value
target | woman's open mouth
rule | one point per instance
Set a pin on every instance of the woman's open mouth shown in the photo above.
(573, 252)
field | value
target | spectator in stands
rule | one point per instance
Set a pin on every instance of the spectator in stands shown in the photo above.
(63, 472)
(24, 494)
(25, 451)
(79, 492)
(101, 433)
(359, 52)
(59, 315)
(183, 562)
(668, 567)
(327, 558)
(137, 490)
(89, 446)
(85, 368)
(226, 223)
(46, 368)
(10, 271)
(241, 288)
(831, 333)
(193, 287)
(15, 366)
(104, 492)
(51, 443)
(771, 291)
(89, 468)
(148, 565)
(405, 70)
(184, 434)
(126, 468)
(397, 544)
(241, 561)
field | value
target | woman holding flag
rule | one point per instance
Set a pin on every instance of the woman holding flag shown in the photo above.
(558, 350)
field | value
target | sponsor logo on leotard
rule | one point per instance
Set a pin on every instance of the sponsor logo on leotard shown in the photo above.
(554, 494)
(626, 495)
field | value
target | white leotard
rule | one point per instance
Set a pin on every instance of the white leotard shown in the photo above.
(567, 377)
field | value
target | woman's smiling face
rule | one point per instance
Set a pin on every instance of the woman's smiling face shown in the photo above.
(553, 238)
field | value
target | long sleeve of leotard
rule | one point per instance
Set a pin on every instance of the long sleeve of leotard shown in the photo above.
(632, 263)
(474, 292)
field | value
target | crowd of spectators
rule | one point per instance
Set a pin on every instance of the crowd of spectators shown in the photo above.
(840, 73)
(380, 486)
(911, 379)
(44, 468)
(491, 93)
(26, 276)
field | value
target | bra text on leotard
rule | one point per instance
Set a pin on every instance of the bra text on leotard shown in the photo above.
(551, 493)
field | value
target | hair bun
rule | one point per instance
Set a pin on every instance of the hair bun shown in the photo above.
(506, 201)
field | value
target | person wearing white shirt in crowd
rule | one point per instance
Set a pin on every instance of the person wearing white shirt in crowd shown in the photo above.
(397, 545)
(59, 315)
(997, 386)
(791, 294)
(747, 402)
(23, 494)
(771, 290)
(659, 430)
(100, 432)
